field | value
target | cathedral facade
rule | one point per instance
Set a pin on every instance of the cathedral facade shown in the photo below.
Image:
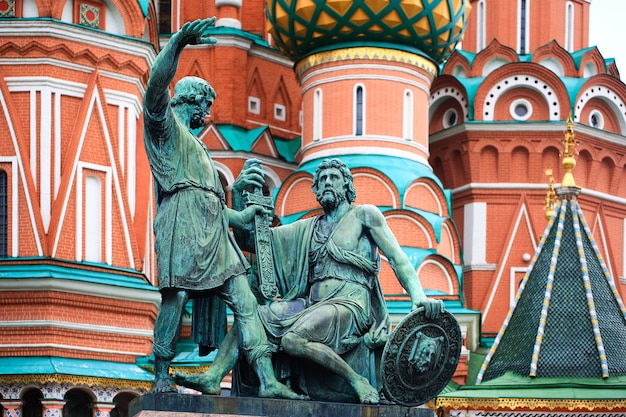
(448, 113)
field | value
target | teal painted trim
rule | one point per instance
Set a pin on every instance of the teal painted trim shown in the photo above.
(144, 6)
(577, 56)
(402, 172)
(47, 365)
(288, 148)
(241, 139)
(471, 86)
(417, 255)
(573, 86)
(187, 355)
(293, 217)
(453, 306)
(607, 62)
(470, 56)
(30, 271)
(510, 385)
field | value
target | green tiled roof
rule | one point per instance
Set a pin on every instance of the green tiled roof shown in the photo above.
(288, 148)
(240, 139)
(144, 6)
(113, 276)
(47, 365)
(187, 355)
(510, 385)
(567, 320)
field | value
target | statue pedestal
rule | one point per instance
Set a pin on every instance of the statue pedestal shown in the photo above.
(188, 405)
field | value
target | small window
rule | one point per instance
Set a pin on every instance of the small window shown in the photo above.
(521, 110)
(4, 214)
(450, 118)
(280, 112)
(317, 115)
(165, 16)
(254, 105)
(359, 111)
(407, 117)
(596, 120)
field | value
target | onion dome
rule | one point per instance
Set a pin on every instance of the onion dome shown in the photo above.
(434, 27)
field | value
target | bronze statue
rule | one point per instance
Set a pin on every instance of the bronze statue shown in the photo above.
(196, 254)
(326, 269)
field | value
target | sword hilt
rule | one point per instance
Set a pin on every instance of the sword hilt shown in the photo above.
(265, 262)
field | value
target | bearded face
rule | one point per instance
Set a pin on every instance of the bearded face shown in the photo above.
(331, 191)
(199, 113)
(330, 197)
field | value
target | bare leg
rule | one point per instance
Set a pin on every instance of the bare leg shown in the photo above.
(323, 355)
(225, 360)
(252, 339)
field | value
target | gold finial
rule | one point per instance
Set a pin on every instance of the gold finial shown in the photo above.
(569, 145)
(550, 195)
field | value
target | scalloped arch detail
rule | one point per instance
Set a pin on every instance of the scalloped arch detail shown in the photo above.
(437, 275)
(423, 195)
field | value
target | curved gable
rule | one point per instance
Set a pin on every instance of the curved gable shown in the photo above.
(426, 195)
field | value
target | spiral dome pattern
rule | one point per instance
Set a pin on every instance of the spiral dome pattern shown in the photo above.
(434, 27)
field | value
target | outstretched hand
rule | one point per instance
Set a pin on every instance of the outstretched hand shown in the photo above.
(432, 308)
(192, 33)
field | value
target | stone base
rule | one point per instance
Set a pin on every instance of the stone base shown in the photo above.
(189, 405)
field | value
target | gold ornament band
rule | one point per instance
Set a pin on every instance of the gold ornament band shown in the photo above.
(366, 52)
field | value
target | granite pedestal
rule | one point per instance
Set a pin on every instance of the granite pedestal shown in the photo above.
(188, 405)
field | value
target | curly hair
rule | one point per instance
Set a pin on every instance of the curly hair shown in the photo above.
(192, 90)
(345, 171)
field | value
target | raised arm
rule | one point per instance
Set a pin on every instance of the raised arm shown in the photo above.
(377, 226)
(166, 63)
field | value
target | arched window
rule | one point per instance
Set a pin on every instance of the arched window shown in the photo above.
(165, 16)
(121, 401)
(481, 26)
(524, 26)
(407, 117)
(31, 403)
(569, 26)
(78, 404)
(359, 110)
(4, 214)
(93, 219)
(317, 114)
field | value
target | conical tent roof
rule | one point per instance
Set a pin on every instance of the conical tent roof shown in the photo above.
(567, 320)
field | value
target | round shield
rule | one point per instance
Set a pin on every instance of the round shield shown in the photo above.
(420, 358)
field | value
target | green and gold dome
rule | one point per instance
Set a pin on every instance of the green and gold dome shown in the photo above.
(434, 27)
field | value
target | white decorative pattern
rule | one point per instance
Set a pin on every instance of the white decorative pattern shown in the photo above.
(517, 81)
